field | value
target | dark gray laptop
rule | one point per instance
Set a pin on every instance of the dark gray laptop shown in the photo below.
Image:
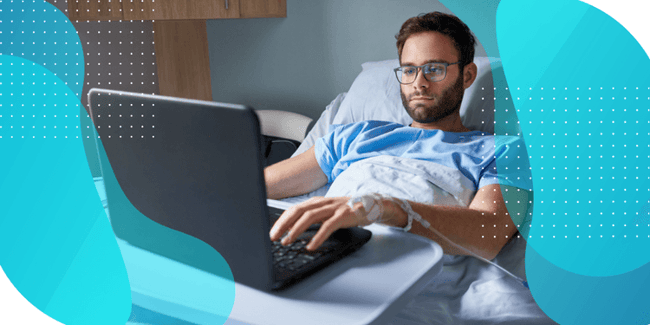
(197, 167)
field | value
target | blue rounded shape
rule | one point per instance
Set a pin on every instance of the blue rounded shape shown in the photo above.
(37, 31)
(64, 258)
(579, 86)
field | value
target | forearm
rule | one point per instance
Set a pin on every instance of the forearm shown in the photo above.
(483, 228)
(294, 176)
(481, 233)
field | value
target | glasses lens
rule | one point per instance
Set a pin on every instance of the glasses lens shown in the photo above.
(434, 71)
(407, 75)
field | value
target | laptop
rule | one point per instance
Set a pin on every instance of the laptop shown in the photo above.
(197, 167)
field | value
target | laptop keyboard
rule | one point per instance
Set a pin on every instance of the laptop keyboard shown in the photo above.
(295, 257)
(294, 262)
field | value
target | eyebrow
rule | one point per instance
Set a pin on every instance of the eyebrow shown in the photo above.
(427, 62)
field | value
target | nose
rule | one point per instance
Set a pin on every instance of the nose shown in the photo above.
(420, 80)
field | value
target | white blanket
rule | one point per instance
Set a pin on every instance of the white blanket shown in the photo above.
(468, 291)
(410, 179)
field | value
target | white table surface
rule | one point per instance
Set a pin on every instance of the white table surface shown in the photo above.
(367, 287)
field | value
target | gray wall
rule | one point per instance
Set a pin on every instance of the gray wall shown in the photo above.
(300, 63)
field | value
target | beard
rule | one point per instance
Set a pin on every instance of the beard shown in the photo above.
(444, 105)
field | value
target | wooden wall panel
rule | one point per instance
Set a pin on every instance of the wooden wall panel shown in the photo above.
(182, 58)
(263, 8)
(95, 10)
(180, 9)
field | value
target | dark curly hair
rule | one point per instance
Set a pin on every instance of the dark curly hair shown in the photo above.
(442, 23)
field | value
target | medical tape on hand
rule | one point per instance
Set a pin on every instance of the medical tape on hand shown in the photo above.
(374, 208)
(372, 205)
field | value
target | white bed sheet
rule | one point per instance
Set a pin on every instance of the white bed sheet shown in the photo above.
(468, 291)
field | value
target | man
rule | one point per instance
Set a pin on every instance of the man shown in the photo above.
(436, 53)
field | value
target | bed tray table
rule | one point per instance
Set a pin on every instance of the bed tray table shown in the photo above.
(367, 287)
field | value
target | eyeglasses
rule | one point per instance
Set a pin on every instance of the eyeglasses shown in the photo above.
(435, 71)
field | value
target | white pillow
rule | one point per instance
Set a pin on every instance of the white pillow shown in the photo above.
(375, 95)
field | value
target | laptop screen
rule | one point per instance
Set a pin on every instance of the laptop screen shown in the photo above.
(192, 166)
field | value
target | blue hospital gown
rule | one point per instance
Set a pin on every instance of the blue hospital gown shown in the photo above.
(473, 153)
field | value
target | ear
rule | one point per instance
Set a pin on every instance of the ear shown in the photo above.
(469, 74)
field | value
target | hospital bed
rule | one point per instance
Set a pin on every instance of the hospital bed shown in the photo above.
(468, 291)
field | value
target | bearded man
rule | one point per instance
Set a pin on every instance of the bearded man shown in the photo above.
(436, 53)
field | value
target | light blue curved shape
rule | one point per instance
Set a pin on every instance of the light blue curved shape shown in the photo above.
(579, 85)
(570, 298)
(148, 245)
(58, 248)
(480, 17)
(37, 31)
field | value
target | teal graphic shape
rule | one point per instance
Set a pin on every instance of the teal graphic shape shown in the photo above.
(57, 245)
(578, 83)
(589, 146)
(570, 298)
(37, 31)
(173, 250)
(480, 17)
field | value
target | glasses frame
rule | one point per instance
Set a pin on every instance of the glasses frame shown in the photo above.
(420, 67)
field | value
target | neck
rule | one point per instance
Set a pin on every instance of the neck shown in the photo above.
(451, 123)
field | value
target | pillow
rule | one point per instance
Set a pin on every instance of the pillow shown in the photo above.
(375, 95)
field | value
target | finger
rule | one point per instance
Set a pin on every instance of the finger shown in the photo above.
(289, 217)
(310, 217)
(286, 220)
(328, 227)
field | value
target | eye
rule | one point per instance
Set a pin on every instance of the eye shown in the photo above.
(409, 71)
(434, 69)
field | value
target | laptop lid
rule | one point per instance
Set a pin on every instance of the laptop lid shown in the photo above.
(193, 166)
